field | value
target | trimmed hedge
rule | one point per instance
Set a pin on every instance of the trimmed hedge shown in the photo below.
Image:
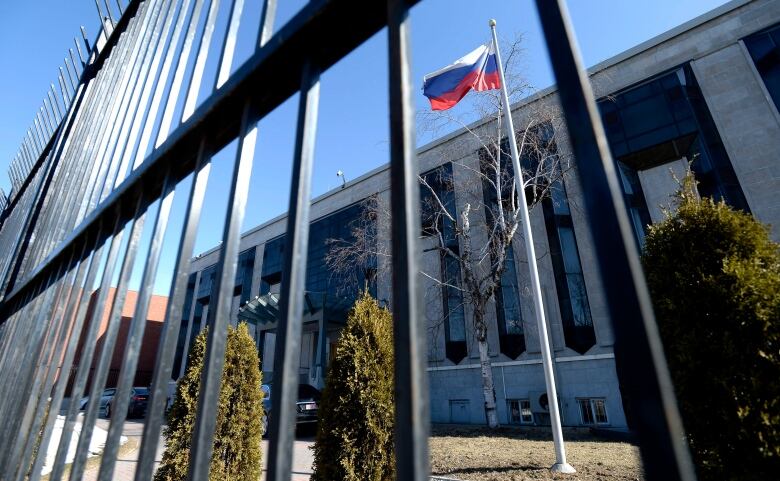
(238, 433)
(356, 415)
(714, 276)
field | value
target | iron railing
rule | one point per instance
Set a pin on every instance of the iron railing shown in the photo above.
(117, 149)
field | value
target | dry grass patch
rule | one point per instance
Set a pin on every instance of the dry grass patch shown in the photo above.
(476, 453)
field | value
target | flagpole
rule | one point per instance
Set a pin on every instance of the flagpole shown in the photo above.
(560, 466)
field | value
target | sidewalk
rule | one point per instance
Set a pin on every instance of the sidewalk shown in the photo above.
(128, 459)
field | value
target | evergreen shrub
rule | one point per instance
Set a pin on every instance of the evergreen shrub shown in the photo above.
(714, 277)
(356, 416)
(238, 432)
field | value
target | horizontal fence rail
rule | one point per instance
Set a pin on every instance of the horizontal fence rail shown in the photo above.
(125, 136)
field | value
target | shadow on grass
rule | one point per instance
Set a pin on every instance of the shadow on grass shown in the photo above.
(533, 433)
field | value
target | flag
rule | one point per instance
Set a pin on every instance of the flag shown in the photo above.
(477, 70)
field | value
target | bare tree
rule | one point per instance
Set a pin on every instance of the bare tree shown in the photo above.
(478, 234)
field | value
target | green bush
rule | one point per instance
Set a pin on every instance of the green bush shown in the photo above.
(356, 415)
(714, 276)
(238, 432)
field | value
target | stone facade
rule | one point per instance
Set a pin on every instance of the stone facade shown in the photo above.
(747, 124)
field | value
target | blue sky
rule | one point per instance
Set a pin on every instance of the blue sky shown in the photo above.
(353, 122)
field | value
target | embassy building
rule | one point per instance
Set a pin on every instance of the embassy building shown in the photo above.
(705, 92)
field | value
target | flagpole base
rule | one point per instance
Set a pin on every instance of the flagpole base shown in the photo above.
(563, 468)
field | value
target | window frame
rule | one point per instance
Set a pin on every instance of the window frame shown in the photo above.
(590, 403)
(521, 421)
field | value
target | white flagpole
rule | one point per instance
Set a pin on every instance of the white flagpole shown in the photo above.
(560, 466)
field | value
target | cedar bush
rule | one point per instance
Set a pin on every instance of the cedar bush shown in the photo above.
(356, 416)
(714, 276)
(238, 433)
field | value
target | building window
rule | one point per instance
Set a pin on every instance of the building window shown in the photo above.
(764, 48)
(327, 290)
(593, 411)
(183, 327)
(246, 266)
(439, 181)
(511, 335)
(452, 305)
(519, 411)
(576, 319)
(662, 120)
(439, 185)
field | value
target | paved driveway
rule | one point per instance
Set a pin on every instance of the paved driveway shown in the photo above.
(126, 463)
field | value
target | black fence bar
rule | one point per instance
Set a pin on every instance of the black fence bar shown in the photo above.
(646, 386)
(409, 335)
(291, 301)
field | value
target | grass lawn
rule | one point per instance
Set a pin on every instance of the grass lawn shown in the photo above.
(476, 453)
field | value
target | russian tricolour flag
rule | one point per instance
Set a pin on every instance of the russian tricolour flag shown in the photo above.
(477, 70)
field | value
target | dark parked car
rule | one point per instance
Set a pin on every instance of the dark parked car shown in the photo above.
(307, 405)
(139, 396)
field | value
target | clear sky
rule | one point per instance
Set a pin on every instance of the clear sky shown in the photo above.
(353, 122)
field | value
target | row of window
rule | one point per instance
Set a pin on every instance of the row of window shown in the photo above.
(592, 412)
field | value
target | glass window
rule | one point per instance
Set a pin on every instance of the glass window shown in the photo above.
(586, 411)
(764, 48)
(593, 411)
(662, 120)
(339, 291)
(183, 328)
(519, 411)
(511, 334)
(510, 304)
(439, 181)
(600, 410)
(578, 330)
(453, 300)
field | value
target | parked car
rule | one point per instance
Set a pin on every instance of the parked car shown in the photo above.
(139, 396)
(307, 405)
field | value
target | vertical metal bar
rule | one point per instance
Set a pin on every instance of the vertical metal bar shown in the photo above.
(39, 129)
(639, 356)
(79, 303)
(175, 81)
(211, 376)
(74, 65)
(136, 333)
(291, 302)
(236, 7)
(178, 77)
(46, 122)
(200, 62)
(103, 18)
(45, 312)
(109, 340)
(411, 382)
(39, 196)
(66, 92)
(78, 49)
(90, 339)
(120, 107)
(136, 101)
(86, 42)
(169, 336)
(37, 414)
(110, 13)
(52, 105)
(53, 100)
(152, 80)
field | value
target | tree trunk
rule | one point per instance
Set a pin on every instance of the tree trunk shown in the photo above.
(488, 389)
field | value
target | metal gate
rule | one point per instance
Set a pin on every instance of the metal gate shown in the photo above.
(76, 216)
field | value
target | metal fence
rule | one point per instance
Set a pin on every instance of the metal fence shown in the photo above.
(77, 217)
